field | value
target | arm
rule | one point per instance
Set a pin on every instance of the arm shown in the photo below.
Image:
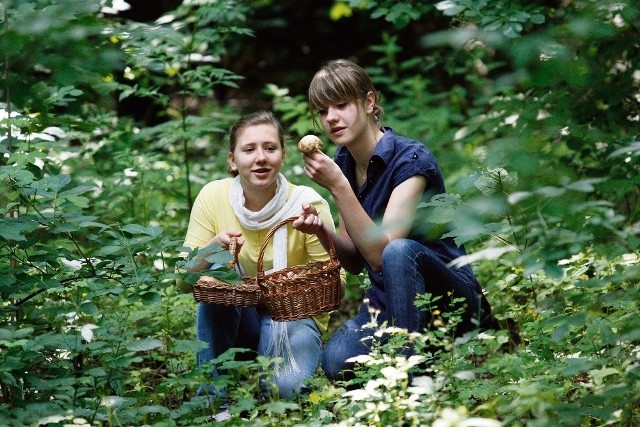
(223, 240)
(365, 235)
(202, 230)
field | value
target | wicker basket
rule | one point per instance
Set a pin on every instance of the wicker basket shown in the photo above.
(212, 290)
(302, 290)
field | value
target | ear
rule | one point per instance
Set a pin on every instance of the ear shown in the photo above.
(370, 102)
(232, 162)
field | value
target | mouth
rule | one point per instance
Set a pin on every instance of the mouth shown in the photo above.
(337, 130)
(261, 171)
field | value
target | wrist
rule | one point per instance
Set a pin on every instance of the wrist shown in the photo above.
(340, 188)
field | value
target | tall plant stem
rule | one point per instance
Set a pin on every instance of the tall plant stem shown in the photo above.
(5, 13)
(185, 142)
(13, 212)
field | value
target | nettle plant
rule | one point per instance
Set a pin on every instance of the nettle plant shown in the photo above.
(403, 380)
(83, 307)
(93, 328)
(94, 331)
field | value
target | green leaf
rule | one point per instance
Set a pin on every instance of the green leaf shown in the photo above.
(108, 250)
(442, 208)
(139, 229)
(81, 202)
(144, 344)
(188, 346)
(577, 365)
(225, 274)
(537, 18)
(9, 334)
(585, 185)
(550, 191)
(599, 375)
(54, 183)
(631, 149)
(20, 176)
(15, 228)
(150, 297)
(512, 29)
(450, 7)
(153, 409)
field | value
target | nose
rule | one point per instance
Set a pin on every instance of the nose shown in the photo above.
(260, 155)
(331, 114)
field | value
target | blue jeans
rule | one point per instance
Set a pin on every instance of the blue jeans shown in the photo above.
(225, 327)
(409, 269)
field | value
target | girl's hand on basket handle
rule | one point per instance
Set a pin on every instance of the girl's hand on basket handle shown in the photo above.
(309, 222)
(224, 238)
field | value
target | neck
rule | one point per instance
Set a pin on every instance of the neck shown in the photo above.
(257, 198)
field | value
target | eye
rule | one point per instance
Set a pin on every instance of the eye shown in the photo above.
(322, 112)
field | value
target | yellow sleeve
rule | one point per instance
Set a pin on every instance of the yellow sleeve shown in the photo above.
(210, 214)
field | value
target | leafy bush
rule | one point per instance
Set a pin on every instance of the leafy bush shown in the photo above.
(531, 110)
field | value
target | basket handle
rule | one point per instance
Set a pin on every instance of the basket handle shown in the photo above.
(233, 245)
(263, 247)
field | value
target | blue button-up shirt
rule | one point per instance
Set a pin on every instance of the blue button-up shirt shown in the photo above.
(396, 159)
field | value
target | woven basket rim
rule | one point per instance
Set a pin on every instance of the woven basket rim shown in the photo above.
(278, 304)
(260, 266)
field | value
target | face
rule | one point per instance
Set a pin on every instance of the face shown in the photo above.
(258, 156)
(347, 122)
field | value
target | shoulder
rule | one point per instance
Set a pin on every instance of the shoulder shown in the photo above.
(404, 147)
(303, 191)
(408, 157)
(213, 191)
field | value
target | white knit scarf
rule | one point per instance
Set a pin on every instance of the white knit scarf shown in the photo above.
(279, 208)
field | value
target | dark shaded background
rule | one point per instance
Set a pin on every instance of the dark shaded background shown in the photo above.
(292, 40)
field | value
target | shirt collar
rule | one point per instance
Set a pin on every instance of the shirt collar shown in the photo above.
(385, 147)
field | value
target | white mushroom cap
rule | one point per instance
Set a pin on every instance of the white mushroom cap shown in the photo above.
(309, 143)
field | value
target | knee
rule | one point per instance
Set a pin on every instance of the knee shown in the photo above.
(289, 385)
(334, 363)
(396, 249)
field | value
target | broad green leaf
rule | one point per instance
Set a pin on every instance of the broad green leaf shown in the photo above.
(20, 176)
(16, 228)
(109, 250)
(585, 185)
(550, 191)
(54, 183)
(537, 18)
(144, 344)
(577, 365)
(188, 346)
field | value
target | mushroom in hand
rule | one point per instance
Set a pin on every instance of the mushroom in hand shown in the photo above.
(309, 143)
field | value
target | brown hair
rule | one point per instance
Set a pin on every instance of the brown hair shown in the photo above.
(249, 120)
(338, 81)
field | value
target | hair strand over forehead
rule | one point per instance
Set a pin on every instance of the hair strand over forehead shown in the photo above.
(340, 81)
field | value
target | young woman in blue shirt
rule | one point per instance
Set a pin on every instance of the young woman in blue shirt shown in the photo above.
(377, 179)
